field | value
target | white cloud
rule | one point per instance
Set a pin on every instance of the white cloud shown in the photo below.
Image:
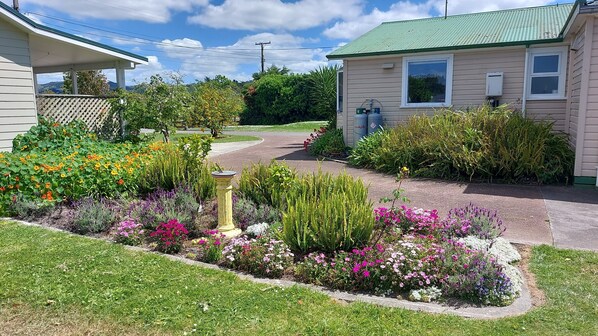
(142, 73)
(198, 62)
(276, 14)
(405, 10)
(154, 11)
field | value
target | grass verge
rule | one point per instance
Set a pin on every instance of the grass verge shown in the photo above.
(223, 139)
(304, 126)
(46, 273)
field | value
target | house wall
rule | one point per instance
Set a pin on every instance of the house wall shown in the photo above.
(589, 141)
(365, 79)
(17, 93)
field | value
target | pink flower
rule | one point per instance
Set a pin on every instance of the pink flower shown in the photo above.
(366, 273)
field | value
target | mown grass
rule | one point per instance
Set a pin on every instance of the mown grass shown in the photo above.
(304, 126)
(59, 275)
(224, 138)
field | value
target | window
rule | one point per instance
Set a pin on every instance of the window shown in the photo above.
(546, 76)
(339, 91)
(427, 81)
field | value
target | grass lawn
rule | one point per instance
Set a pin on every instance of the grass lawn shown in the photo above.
(63, 284)
(223, 139)
(305, 126)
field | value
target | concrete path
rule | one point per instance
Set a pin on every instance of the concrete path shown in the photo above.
(224, 148)
(528, 217)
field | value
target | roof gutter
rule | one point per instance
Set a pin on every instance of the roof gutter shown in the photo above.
(464, 47)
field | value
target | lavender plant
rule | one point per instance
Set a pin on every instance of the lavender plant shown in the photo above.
(93, 215)
(473, 220)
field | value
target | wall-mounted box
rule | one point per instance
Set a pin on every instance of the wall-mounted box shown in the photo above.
(494, 81)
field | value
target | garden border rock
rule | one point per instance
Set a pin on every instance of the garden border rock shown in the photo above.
(520, 306)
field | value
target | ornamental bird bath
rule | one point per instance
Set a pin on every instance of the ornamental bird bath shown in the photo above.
(224, 191)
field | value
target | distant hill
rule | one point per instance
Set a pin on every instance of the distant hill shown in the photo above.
(56, 87)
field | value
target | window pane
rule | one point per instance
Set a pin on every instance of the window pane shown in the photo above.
(545, 85)
(548, 63)
(426, 82)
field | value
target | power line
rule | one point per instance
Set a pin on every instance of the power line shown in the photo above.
(154, 40)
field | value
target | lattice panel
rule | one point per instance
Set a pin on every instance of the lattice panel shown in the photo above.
(92, 110)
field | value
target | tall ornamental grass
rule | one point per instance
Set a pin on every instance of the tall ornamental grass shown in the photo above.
(485, 144)
(327, 213)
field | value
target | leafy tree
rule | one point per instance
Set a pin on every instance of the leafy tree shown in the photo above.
(160, 107)
(215, 104)
(272, 70)
(322, 93)
(276, 99)
(92, 82)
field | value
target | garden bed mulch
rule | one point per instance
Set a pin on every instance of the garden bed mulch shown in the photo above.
(530, 296)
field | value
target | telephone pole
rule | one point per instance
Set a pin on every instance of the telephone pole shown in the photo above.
(261, 44)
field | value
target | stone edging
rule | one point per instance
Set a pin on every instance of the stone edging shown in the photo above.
(521, 305)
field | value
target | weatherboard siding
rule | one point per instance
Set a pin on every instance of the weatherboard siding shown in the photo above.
(589, 157)
(365, 79)
(575, 76)
(17, 94)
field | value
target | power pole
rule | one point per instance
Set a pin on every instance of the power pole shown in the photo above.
(261, 44)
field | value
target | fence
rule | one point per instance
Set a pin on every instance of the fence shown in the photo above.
(92, 110)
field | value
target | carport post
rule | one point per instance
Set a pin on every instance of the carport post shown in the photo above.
(74, 79)
(120, 83)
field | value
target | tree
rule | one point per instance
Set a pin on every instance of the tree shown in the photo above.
(92, 82)
(215, 105)
(160, 107)
(322, 93)
(272, 70)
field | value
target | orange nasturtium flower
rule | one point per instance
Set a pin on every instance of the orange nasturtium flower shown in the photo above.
(121, 181)
(48, 185)
(36, 168)
(2, 188)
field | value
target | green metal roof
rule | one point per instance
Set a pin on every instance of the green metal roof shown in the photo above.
(67, 35)
(520, 26)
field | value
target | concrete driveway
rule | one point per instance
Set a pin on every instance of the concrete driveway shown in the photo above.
(561, 216)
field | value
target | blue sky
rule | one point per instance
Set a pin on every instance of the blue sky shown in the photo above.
(199, 38)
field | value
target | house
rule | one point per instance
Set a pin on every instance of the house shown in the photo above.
(28, 49)
(542, 60)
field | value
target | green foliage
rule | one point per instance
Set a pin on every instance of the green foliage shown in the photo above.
(90, 82)
(93, 216)
(215, 105)
(276, 97)
(330, 143)
(54, 163)
(365, 152)
(174, 169)
(160, 107)
(24, 208)
(49, 135)
(479, 144)
(327, 213)
(322, 94)
(267, 184)
(195, 148)
(247, 213)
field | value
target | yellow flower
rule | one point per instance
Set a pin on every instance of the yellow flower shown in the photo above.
(1, 156)
(36, 168)
(114, 172)
(97, 166)
(63, 175)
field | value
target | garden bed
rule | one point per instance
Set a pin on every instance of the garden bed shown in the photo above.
(316, 228)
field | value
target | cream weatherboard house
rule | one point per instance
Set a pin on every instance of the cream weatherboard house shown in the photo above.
(541, 60)
(28, 49)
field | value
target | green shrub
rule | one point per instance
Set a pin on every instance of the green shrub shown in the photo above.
(267, 184)
(327, 213)
(365, 151)
(93, 216)
(24, 208)
(330, 143)
(195, 147)
(479, 144)
(246, 213)
(49, 135)
(174, 169)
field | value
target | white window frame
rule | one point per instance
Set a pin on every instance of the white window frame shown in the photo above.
(561, 73)
(339, 93)
(448, 58)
